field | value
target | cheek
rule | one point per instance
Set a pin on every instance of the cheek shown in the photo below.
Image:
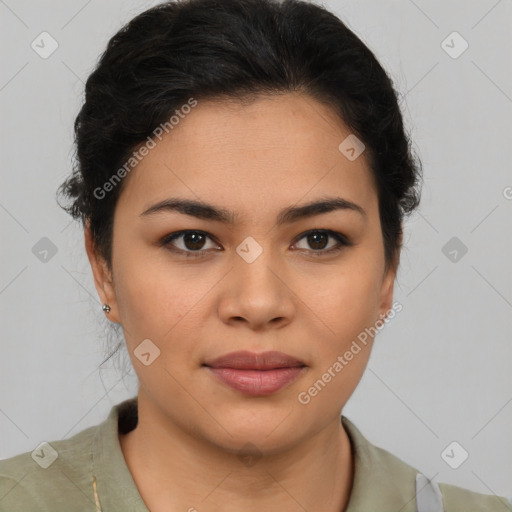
(348, 307)
(345, 301)
(152, 298)
(158, 304)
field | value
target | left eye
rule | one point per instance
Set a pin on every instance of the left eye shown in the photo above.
(192, 242)
(317, 239)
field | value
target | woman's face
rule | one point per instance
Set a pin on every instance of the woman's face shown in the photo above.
(258, 283)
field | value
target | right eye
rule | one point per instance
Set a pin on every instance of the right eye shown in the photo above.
(191, 242)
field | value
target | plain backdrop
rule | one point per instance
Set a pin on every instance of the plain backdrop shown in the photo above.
(440, 371)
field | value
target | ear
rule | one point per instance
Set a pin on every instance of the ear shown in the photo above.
(102, 276)
(388, 282)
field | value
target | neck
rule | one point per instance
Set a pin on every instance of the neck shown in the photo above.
(174, 470)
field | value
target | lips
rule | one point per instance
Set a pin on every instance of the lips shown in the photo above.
(256, 374)
(244, 360)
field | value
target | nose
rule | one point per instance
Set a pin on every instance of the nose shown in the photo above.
(257, 294)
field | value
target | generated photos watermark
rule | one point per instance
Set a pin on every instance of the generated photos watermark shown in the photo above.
(304, 397)
(137, 156)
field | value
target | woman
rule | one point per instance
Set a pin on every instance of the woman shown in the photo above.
(243, 174)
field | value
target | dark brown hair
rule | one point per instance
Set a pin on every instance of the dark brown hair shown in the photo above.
(209, 49)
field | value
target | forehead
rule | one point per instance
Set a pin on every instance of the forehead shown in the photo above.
(273, 149)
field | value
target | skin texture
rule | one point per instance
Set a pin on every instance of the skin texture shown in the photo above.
(254, 159)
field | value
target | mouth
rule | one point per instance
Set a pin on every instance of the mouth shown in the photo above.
(256, 374)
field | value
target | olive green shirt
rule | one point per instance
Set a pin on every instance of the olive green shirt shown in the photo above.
(88, 472)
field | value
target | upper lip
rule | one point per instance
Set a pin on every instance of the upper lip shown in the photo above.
(244, 360)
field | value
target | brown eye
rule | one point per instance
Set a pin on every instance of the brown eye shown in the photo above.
(193, 241)
(190, 243)
(317, 241)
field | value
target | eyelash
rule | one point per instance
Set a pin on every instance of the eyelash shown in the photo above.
(342, 240)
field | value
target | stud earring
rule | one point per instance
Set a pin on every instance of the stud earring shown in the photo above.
(106, 308)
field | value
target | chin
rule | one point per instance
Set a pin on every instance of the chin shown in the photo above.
(270, 431)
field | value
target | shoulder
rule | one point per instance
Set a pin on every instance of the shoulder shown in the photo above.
(452, 497)
(458, 499)
(379, 473)
(50, 477)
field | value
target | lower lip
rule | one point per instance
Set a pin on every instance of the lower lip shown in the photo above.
(257, 382)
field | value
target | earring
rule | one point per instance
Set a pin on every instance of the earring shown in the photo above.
(106, 308)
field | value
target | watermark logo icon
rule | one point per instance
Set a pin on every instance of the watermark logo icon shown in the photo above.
(454, 249)
(454, 45)
(45, 455)
(249, 249)
(44, 45)
(249, 455)
(146, 352)
(454, 455)
(44, 250)
(352, 147)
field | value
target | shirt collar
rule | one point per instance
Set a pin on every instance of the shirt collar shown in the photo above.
(380, 479)
(115, 485)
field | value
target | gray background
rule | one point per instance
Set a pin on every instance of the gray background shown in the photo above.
(440, 371)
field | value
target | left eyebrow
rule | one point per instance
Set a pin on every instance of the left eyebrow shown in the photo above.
(295, 213)
(206, 211)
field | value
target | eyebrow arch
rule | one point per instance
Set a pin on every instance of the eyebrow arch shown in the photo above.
(206, 211)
